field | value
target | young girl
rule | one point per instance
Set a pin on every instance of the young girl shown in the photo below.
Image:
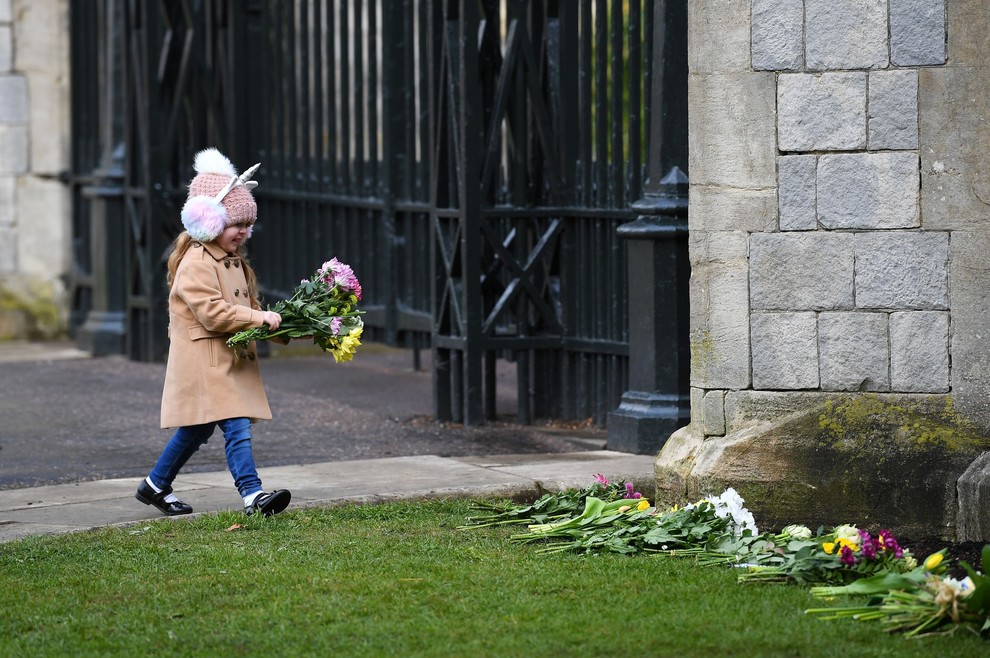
(212, 294)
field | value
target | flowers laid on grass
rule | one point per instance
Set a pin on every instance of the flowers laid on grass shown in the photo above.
(550, 506)
(846, 560)
(840, 556)
(323, 307)
(921, 601)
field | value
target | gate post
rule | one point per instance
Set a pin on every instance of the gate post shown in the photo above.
(105, 326)
(658, 400)
(102, 332)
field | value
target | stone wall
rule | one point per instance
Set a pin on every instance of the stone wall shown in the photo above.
(34, 151)
(838, 214)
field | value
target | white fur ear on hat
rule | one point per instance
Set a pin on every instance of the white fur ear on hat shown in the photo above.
(204, 218)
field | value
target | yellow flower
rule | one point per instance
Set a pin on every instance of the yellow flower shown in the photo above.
(829, 547)
(851, 544)
(348, 346)
(643, 504)
(933, 560)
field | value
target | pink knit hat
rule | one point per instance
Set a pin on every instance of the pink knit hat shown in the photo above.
(218, 197)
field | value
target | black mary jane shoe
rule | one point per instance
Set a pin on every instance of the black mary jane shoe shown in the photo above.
(148, 496)
(268, 504)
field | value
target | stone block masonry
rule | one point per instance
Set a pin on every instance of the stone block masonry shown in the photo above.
(848, 290)
(839, 233)
(35, 207)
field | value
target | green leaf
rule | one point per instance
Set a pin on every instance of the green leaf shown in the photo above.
(979, 599)
(878, 584)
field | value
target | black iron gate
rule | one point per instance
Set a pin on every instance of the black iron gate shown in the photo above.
(472, 160)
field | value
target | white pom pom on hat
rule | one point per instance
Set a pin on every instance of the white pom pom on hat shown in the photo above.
(204, 216)
(212, 161)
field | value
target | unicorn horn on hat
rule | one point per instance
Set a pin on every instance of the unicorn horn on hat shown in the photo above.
(242, 180)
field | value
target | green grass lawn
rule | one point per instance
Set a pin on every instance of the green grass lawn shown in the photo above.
(396, 580)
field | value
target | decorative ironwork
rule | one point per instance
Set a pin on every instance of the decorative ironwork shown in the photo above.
(471, 159)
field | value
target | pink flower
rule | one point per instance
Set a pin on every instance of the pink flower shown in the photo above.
(868, 545)
(601, 479)
(888, 543)
(847, 556)
(335, 273)
(631, 491)
(335, 326)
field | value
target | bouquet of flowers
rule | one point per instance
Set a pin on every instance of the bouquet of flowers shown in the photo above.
(550, 506)
(922, 601)
(843, 555)
(324, 307)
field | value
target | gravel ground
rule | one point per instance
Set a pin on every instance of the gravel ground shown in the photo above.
(85, 419)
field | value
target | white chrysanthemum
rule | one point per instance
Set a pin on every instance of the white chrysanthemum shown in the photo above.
(730, 504)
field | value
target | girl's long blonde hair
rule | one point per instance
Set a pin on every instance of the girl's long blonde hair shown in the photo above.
(181, 245)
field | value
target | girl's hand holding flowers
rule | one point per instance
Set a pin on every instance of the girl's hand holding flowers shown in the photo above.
(323, 307)
(272, 319)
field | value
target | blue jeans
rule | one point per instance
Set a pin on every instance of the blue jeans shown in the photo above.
(187, 440)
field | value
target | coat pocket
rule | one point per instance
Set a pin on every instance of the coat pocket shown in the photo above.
(200, 332)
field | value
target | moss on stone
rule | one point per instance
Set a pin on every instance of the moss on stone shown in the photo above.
(702, 348)
(921, 424)
(886, 460)
(34, 316)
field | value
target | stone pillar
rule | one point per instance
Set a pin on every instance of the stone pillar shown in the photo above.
(658, 401)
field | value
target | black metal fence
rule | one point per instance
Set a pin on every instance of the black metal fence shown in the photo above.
(472, 160)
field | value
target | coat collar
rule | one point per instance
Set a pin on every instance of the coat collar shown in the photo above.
(214, 250)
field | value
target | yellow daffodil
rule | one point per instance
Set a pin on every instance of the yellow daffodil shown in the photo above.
(643, 505)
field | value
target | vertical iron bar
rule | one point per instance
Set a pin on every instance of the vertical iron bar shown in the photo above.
(373, 94)
(617, 160)
(360, 87)
(471, 137)
(586, 104)
(333, 99)
(635, 100)
(601, 103)
(346, 101)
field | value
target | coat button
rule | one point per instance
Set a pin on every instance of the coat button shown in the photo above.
(237, 263)
(226, 263)
(245, 292)
(237, 293)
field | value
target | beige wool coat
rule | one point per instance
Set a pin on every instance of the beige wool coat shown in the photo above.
(205, 380)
